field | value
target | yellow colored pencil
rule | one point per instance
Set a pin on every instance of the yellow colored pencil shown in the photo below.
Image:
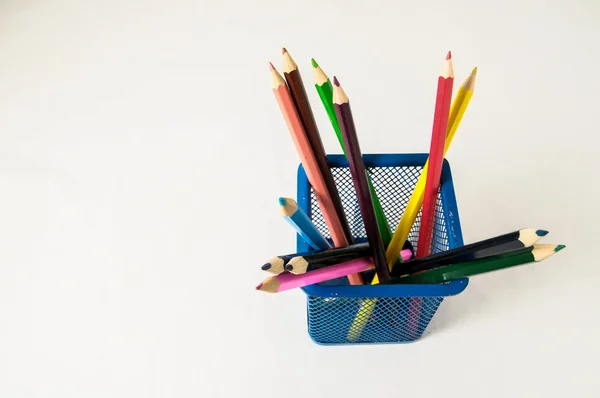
(459, 106)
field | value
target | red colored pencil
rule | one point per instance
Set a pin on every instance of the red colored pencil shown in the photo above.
(436, 156)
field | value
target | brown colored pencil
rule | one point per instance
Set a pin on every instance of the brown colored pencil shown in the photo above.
(359, 177)
(307, 157)
(296, 86)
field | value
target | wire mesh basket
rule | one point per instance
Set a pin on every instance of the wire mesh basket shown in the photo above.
(342, 314)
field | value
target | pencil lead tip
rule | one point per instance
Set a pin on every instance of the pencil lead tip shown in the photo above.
(266, 266)
(289, 267)
(474, 71)
(541, 232)
(314, 63)
(335, 81)
(559, 248)
(271, 67)
(283, 50)
(449, 55)
(259, 286)
(282, 201)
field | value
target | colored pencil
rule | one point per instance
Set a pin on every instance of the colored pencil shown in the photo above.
(436, 156)
(296, 86)
(485, 248)
(309, 163)
(276, 265)
(300, 221)
(359, 178)
(287, 281)
(310, 262)
(482, 265)
(325, 91)
(459, 106)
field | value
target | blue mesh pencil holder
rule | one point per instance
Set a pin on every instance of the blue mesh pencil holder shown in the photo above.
(396, 313)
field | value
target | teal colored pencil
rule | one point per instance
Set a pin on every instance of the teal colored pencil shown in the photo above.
(302, 224)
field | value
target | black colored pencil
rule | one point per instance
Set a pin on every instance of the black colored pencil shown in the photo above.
(278, 264)
(359, 178)
(485, 248)
(302, 263)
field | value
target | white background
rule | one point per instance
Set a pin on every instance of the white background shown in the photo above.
(142, 154)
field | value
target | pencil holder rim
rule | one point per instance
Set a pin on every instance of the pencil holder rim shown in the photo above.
(397, 290)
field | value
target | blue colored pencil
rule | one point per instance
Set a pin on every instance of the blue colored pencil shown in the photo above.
(302, 224)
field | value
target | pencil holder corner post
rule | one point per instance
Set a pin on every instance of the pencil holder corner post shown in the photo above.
(334, 307)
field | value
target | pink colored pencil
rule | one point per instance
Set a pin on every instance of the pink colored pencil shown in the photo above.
(287, 281)
(309, 162)
(436, 156)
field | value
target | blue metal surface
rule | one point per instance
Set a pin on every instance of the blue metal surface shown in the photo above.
(332, 306)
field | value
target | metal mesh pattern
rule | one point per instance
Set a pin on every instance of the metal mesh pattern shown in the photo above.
(393, 319)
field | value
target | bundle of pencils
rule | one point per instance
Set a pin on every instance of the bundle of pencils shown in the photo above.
(389, 254)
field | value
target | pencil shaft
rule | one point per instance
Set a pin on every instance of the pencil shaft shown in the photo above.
(290, 281)
(357, 250)
(359, 177)
(325, 92)
(463, 270)
(298, 93)
(457, 111)
(485, 248)
(436, 157)
(300, 221)
(406, 254)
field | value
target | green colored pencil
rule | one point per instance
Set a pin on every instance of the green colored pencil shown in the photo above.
(487, 264)
(325, 90)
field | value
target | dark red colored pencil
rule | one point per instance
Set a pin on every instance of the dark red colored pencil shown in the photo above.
(294, 81)
(359, 177)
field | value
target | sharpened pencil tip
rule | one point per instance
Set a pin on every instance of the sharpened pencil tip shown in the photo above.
(314, 63)
(283, 50)
(289, 267)
(559, 248)
(259, 286)
(474, 71)
(282, 201)
(266, 266)
(335, 81)
(541, 232)
(271, 67)
(449, 55)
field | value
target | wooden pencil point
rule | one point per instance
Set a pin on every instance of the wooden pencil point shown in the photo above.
(559, 248)
(339, 95)
(529, 236)
(274, 266)
(269, 285)
(288, 206)
(271, 67)
(469, 83)
(289, 65)
(448, 70)
(314, 63)
(283, 50)
(542, 252)
(319, 76)
(449, 55)
(298, 265)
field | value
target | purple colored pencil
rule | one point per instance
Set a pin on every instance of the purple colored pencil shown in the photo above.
(359, 177)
